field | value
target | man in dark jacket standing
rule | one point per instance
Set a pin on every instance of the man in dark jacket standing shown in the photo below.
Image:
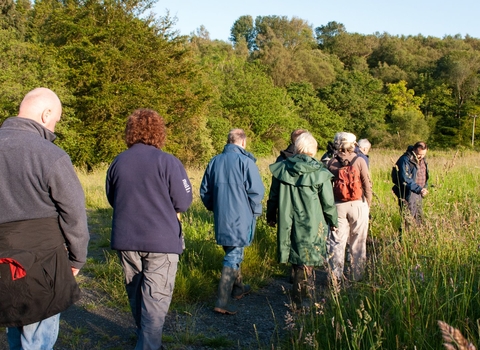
(411, 180)
(232, 188)
(43, 224)
(147, 188)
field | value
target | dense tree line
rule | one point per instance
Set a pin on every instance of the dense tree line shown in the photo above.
(107, 58)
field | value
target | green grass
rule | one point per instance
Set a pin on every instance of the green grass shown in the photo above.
(432, 274)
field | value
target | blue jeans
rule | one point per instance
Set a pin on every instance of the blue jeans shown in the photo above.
(36, 336)
(233, 257)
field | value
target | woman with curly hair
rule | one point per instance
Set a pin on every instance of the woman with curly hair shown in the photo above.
(147, 188)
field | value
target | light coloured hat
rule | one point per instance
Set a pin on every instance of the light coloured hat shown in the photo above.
(348, 138)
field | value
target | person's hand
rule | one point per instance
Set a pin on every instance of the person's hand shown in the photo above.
(424, 192)
(75, 271)
(272, 223)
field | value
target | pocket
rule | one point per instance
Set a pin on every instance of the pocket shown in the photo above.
(49, 267)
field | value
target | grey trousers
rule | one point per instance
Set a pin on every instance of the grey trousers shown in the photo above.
(411, 211)
(149, 281)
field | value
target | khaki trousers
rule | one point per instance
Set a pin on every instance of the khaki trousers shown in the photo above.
(352, 229)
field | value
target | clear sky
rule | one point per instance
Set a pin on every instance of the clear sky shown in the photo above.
(408, 17)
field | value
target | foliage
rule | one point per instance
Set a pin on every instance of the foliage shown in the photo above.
(405, 120)
(107, 58)
(358, 98)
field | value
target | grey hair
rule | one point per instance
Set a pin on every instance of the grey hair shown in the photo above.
(364, 143)
(306, 144)
(236, 136)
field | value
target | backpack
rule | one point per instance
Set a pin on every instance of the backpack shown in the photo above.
(348, 186)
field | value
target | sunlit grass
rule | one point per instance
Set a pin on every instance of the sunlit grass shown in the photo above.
(432, 274)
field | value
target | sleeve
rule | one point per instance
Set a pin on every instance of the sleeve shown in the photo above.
(427, 174)
(405, 176)
(206, 191)
(180, 188)
(67, 194)
(272, 202)
(254, 187)
(328, 204)
(365, 178)
(110, 185)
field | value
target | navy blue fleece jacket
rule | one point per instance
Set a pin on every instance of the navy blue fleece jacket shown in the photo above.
(147, 188)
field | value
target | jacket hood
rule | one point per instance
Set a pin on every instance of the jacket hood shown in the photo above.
(231, 147)
(300, 170)
(24, 124)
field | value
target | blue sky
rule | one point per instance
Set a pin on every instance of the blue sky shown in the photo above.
(407, 17)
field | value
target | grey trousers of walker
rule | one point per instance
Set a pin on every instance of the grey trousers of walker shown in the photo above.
(149, 280)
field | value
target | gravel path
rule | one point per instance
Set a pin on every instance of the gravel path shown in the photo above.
(259, 324)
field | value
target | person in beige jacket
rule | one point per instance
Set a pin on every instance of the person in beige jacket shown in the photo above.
(353, 215)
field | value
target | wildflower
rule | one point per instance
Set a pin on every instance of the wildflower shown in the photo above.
(310, 339)
(289, 322)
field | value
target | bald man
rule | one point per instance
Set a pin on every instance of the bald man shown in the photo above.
(43, 224)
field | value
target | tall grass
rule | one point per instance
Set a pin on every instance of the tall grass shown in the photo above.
(431, 274)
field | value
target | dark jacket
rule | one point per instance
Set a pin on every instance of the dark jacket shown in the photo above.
(233, 189)
(49, 185)
(286, 153)
(302, 197)
(147, 188)
(36, 277)
(407, 166)
(43, 224)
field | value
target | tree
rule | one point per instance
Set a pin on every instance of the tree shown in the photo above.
(118, 62)
(288, 50)
(460, 69)
(316, 117)
(244, 30)
(405, 120)
(326, 34)
(250, 100)
(358, 98)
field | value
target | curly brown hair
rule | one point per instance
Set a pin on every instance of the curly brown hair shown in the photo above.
(145, 126)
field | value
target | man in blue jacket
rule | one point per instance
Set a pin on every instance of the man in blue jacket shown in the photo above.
(410, 178)
(232, 188)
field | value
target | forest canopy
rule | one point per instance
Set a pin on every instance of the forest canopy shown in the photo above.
(106, 58)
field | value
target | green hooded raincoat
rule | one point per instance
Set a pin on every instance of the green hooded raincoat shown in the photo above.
(302, 194)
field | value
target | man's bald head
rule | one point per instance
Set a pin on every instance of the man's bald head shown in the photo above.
(43, 106)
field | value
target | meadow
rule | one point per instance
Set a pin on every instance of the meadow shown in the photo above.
(431, 275)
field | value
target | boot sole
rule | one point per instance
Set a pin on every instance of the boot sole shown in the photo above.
(224, 312)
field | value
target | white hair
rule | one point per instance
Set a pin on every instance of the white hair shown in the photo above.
(364, 144)
(306, 144)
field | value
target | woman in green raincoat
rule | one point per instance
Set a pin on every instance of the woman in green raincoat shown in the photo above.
(301, 203)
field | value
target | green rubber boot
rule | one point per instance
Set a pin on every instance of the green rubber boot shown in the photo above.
(225, 287)
(240, 289)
